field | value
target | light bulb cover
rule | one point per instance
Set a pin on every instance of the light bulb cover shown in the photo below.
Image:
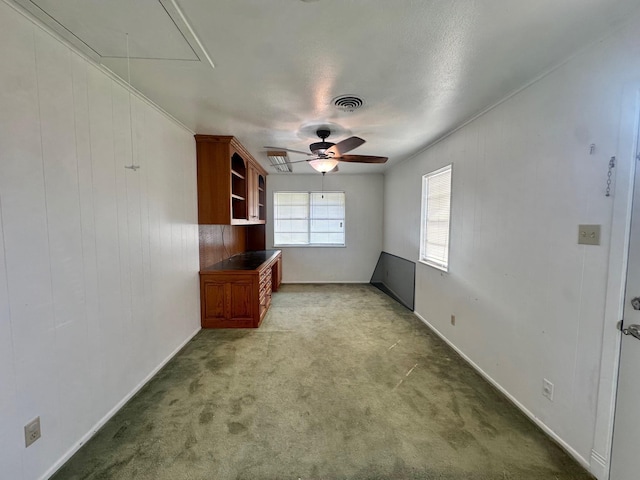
(323, 165)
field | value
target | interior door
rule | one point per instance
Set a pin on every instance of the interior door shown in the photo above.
(626, 431)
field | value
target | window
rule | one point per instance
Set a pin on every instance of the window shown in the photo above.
(308, 218)
(435, 219)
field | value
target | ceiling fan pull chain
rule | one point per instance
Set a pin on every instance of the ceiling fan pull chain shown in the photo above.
(612, 165)
(132, 166)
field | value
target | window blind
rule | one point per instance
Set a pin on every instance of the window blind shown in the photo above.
(290, 218)
(436, 216)
(309, 218)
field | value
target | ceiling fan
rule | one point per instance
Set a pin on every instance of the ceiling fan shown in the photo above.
(327, 155)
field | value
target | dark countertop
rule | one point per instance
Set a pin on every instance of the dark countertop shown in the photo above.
(243, 261)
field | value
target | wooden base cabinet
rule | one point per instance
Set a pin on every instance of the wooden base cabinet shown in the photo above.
(236, 297)
(276, 274)
(228, 301)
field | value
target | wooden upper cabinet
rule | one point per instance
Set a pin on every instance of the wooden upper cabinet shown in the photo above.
(262, 197)
(257, 196)
(231, 184)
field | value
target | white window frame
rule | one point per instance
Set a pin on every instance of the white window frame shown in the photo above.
(424, 256)
(309, 220)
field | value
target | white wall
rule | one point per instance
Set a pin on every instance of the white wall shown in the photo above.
(363, 223)
(98, 264)
(529, 301)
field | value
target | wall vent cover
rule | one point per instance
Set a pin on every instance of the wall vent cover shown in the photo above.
(348, 103)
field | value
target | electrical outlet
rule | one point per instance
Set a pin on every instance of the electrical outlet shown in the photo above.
(547, 389)
(453, 320)
(589, 234)
(32, 431)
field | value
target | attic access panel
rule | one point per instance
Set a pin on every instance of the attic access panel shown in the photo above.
(157, 28)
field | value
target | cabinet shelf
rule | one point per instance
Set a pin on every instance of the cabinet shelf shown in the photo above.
(237, 174)
(237, 197)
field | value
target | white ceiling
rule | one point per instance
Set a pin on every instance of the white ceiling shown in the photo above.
(423, 67)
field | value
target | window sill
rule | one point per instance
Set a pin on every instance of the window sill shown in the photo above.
(435, 265)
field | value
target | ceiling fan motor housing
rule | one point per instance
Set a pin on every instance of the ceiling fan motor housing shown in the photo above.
(319, 148)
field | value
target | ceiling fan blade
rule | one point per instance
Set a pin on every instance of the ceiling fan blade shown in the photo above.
(345, 146)
(362, 159)
(299, 161)
(289, 150)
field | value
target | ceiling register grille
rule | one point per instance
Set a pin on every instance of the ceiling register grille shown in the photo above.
(348, 103)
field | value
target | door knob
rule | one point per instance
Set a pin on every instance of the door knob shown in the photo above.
(633, 330)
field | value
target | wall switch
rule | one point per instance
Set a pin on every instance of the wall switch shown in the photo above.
(32, 431)
(453, 320)
(589, 234)
(547, 389)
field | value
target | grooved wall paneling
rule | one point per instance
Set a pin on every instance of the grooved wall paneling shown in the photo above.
(98, 263)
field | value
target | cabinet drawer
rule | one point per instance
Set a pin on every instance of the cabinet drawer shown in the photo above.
(265, 276)
(264, 293)
(265, 286)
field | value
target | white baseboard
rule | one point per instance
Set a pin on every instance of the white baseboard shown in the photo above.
(570, 450)
(87, 436)
(326, 281)
(599, 466)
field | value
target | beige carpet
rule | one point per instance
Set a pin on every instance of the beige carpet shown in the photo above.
(340, 382)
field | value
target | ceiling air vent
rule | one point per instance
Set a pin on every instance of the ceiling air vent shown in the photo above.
(348, 103)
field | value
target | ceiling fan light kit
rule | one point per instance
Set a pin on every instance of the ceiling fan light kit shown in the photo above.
(324, 165)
